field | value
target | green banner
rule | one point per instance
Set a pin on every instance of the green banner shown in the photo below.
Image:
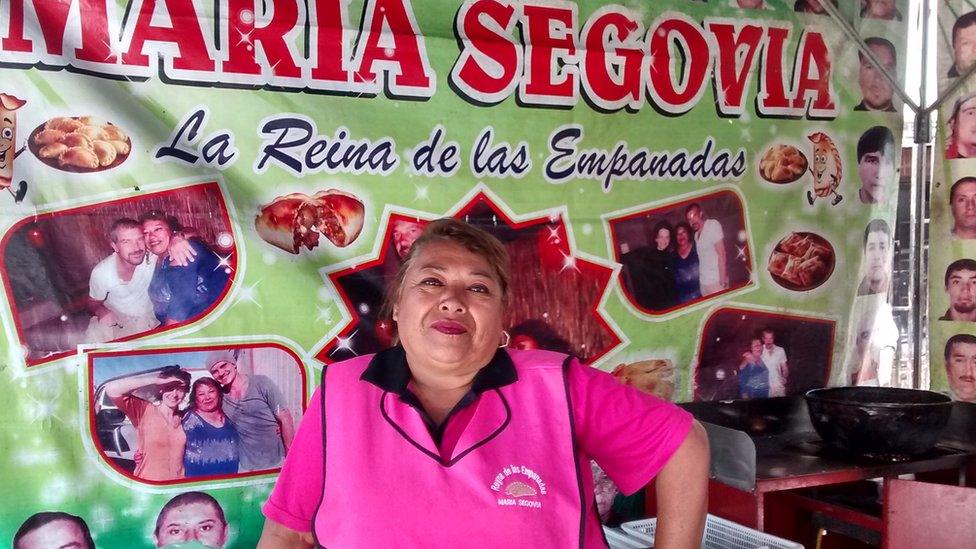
(203, 203)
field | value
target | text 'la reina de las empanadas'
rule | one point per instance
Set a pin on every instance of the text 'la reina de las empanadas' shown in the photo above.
(297, 219)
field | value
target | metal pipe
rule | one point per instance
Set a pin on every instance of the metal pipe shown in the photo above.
(920, 187)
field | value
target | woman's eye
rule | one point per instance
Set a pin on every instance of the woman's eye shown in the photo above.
(479, 288)
(430, 282)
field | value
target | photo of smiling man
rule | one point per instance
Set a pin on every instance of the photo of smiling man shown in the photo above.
(960, 365)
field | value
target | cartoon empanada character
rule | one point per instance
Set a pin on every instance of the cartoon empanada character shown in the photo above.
(8, 144)
(826, 168)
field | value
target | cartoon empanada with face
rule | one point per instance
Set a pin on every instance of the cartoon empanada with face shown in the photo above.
(8, 144)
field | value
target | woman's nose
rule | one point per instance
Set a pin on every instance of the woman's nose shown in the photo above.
(452, 300)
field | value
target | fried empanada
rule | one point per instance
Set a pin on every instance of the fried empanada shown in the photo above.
(92, 132)
(77, 140)
(46, 137)
(52, 150)
(81, 157)
(113, 133)
(105, 152)
(64, 124)
(122, 147)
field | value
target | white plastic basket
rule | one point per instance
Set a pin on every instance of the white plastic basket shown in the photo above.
(719, 534)
(618, 539)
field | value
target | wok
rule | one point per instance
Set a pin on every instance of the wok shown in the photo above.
(881, 422)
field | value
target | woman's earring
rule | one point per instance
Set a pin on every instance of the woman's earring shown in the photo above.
(508, 338)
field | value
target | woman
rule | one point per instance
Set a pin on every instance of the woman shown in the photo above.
(449, 435)
(648, 271)
(157, 422)
(685, 264)
(211, 439)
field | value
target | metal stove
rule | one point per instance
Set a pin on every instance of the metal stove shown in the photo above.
(767, 448)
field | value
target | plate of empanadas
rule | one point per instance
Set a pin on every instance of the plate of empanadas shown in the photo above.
(80, 144)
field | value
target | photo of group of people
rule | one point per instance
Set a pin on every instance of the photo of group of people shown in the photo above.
(554, 296)
(745, 354)
(874, 9)
(190, 519)
(118, 269)
(679, 254)
(162, 416)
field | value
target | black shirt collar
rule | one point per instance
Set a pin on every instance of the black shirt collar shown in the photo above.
(388, 370)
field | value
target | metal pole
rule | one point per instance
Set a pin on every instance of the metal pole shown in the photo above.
(920, 187)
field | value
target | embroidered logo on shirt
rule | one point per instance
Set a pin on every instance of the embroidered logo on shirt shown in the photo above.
(519, 486)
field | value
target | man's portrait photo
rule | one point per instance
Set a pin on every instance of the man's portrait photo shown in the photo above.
(960, 287)
(876, 259)
(963, 44)
(960, 365)
(876, 164)
(961, 142)
(53, 530)
(876, 91)
(962, 203)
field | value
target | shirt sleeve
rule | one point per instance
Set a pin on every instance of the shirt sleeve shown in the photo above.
(630, 434)
(97, 289)
(297, 492)
(133, 407)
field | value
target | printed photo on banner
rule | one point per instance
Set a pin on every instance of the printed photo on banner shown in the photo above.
(963, 37)
(744, 354)
(812, 6)
(872, 344)
(677, 255)
(960, 366)
(47, 529)
(876, 156)
(961, 124)
(801, 261)
(960, 289)
(554, 295)
(877, 253)
(876, 91)
(962, 204)
(165, 416)
(117, 270)
(191, 519)
(880, 9)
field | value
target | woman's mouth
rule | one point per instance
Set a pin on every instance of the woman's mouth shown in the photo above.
(449, 327)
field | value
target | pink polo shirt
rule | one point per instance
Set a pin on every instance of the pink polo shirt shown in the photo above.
(631, 435)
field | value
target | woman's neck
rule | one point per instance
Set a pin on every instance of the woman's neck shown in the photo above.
(215, 416)
(439, 396)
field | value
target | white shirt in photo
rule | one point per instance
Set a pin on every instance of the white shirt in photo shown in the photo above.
(130, 298)
(705, 240)
(775, 360)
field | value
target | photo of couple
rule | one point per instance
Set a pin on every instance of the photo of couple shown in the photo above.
(163, 417)
(117, 270)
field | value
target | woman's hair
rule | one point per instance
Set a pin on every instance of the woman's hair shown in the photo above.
(174, 371)
(469, 237)
(209, 382)
(667, 226)
(684, 225)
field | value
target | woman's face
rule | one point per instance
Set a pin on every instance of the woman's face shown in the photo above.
(681, 235)
(662, 239)
(449, 312)
(206, 398)
(173, 397)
